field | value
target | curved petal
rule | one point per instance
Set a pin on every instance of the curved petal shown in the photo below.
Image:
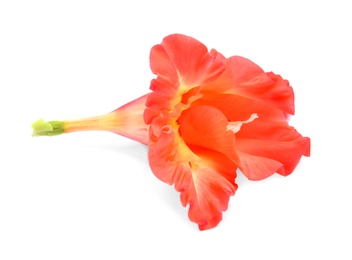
(256, 167)
(193, 62)
(239, 108)
(208, 196)
(265, 145)
(180, 63)
(206, 127)
(205, 181)
(275, 140)
(201, 171)
(219, 162)
(284, 155)
(245, 78)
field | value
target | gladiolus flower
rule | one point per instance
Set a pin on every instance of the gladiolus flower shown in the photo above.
(206, 117)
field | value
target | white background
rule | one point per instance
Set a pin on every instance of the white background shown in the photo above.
(92, 195)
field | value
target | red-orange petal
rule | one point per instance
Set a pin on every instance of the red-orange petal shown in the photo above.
(206, 126)
(245, 78)
(203, 170)
(191, 59)
(180, 61)
(239, 108)
(208, 196)
(205, 185)
(267, 144)
(262, 158)
(269, 139)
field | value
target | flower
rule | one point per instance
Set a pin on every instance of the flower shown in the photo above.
(206, 118)
(209, 116)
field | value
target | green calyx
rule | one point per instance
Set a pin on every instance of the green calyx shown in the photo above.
(51, 128)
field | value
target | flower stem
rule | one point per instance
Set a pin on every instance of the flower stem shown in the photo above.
(108, 122)
(127, 121)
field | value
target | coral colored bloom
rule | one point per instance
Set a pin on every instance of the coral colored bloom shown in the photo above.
(209, 116)
(206, 117)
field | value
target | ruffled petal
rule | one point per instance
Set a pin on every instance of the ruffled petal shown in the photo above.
(193, 62)
(265, 145)
(245, 78)
(168, 155)
(208, 196)
(180, 63)
(205, 180)
(262, 158)
(275, 140)
(203, 170)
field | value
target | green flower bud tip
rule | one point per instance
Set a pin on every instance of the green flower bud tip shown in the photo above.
(51, 128)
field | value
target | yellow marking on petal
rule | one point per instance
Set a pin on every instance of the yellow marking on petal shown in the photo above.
(182, 89)
(236, 126)
(182, 152)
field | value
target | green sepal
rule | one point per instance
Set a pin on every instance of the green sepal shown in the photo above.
(51, 128)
